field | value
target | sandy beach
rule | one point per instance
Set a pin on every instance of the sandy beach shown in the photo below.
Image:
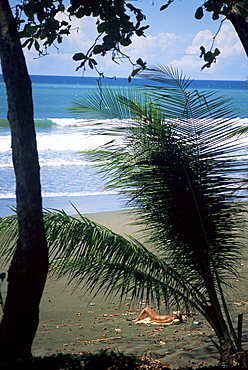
(73, 322)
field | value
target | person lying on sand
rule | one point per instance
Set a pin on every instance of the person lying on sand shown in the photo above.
(156, 318)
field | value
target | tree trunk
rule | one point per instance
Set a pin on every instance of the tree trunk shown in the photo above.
(239, 23)
(28, 270)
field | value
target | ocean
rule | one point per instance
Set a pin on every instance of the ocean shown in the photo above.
(67, 176)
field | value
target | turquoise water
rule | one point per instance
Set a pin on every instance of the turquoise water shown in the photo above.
(66, 175)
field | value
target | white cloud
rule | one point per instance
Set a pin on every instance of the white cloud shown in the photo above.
(201, 38)
(152, 49)
(226, 41)
(83, 34)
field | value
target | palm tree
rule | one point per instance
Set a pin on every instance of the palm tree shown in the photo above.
(179, 166)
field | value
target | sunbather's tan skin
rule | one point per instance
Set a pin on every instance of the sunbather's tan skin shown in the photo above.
(163, 319)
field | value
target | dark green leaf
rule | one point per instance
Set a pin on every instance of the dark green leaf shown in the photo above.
(125, 41)
(30, 44)
(23, 34)
(164, 7)
(87, 12)
(79, 56)
(64, 32)
(64, 23)
(26, 42)
(98, 49)
(61, 7)
(135, 71)
(131, 7)
(215, 16)
(102, 27)
(216, 52)
(207, 65)
(93, 61)
(140, 62)
(211, 5)
(90, 64)
(140, 17)
(208, 56)
(80, 13)
(108, 42)
(30, 29)
(37, 45)
(202, 51)
(140, 31)
(199, 13)
(81, 65)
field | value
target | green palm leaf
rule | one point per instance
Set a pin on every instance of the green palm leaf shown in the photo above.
(179, 165)
(99, 258)
(8, 238)
(178, 134)
(102, 101)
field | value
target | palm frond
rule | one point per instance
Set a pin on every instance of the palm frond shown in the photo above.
(242, 131)
(102, 101)
(98, 258)
(8, 238)
(180, 167)
(166, 75)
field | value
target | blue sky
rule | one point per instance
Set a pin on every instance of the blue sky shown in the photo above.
(174, 38)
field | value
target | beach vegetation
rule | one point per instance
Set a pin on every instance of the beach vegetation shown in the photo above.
(179, 167)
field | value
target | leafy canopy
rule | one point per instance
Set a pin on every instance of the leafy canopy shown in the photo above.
(116, 22)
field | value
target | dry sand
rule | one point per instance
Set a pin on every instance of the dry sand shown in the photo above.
(71, 322)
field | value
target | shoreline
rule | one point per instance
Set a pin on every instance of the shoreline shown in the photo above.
(86, 204)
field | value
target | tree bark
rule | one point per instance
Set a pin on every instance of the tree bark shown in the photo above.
(239, 23)
(28, 270)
